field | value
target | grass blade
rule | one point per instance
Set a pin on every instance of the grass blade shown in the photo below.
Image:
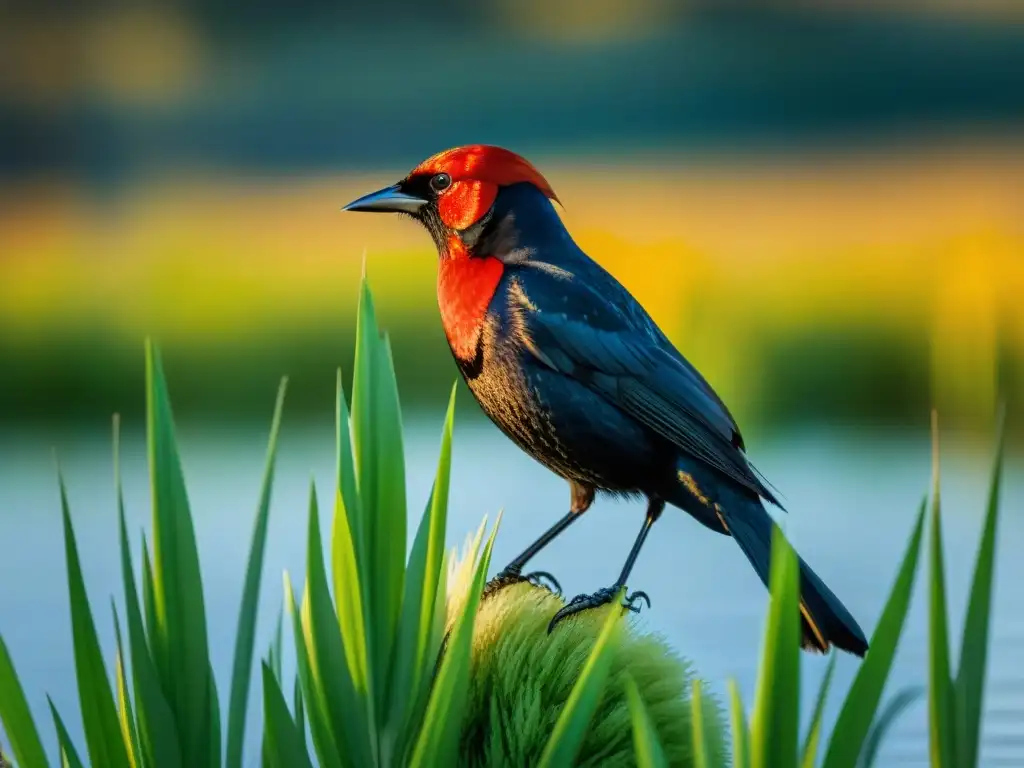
(99, 716)
(942, 705)
(700, 738)
(347, 708)
(571, 726)
(348, 596)
(180, 640)
(158, 734)
(418, 706)
(740, 731)
(775, 728)
(864, 695)
(416, 652)
(318, 716)
(215, 747)
(284, 744)
(346, 471)
(125, 715)
(17, 717)
(69, 755)
(810, 750)
(245, 635)
(276, 650)
(129, 724)
(970, 681)
(390, 520)
(437, 742)
(380, 471)
(350, 564)
(272, 663)
(300, 718)
(889, 714)
(363, 430)
(149, 604)
(646, 745)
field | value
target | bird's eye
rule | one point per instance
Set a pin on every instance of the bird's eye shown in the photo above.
(440, 182)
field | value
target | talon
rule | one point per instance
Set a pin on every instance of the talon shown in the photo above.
(512, 575)
(537, 578)
(582, 603)
(561, 614)
(633, 598)
(504, 579)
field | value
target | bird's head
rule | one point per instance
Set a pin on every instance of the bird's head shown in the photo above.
(453, 191)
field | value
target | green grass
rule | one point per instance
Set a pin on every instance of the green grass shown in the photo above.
(400, 661)
(955, 702)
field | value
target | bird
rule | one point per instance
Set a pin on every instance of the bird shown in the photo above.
(569, 365)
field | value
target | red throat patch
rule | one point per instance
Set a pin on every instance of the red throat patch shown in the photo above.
(465, 287)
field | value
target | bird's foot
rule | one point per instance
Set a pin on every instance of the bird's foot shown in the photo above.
(511, 576)
(603, 596)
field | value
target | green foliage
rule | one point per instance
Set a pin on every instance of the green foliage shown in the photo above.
(523, 680)
(740, 730)
(889, 714)
(864, 696)
(99, 716)
(701, 758)
(438, 740)
(649, 752)
(810, 748)
(571, 726)
(955, 702)
(166, 713)
(284, 745)
(402, 661)
(367, 656)
(16, 717)
(245, 636)
(775, 724)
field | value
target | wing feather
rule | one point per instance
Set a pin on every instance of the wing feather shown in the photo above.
(629, 363)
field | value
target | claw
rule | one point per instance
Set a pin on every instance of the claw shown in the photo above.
(631, 600)
(511, 576)
(604, 596)
(537, 578)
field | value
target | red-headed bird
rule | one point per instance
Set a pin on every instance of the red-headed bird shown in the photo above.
(569, 365)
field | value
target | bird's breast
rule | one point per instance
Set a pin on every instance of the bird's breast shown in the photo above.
(558, 420)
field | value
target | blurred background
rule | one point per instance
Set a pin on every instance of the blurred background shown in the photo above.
(822, 206)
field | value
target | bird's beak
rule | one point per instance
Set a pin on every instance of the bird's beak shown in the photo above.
(388, 200)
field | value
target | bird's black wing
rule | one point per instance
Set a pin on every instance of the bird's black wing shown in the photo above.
(614, 348)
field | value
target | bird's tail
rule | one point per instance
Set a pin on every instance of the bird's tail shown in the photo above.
(825, 620)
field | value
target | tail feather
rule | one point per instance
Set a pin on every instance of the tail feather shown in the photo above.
(825, 620)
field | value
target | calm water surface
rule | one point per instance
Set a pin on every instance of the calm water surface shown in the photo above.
(852, 501)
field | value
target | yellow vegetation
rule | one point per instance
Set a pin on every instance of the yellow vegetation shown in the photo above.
(928, 243)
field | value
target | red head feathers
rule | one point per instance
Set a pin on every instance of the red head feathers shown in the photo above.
(452, 191)
(476, 172)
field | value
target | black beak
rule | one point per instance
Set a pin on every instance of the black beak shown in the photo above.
(388, 200)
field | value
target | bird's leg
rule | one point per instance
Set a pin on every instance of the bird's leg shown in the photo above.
(513, 572)
(606, 595)
(582, 498)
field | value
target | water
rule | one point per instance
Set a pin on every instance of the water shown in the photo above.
(852, 501)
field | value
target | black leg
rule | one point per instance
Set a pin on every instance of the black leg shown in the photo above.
(582, 498)
(604, 596)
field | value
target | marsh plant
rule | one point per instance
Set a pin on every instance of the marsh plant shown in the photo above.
(400, 661)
